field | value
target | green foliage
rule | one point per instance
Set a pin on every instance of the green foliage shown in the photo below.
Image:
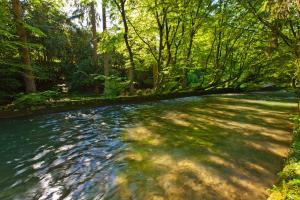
(83, 77)
(115, 86)
(193, 79)
(9, 67)
(35, 99)
(194, 44)
(170, 86)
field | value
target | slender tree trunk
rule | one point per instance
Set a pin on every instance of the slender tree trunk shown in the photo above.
(188, 60)
(161, 25)
(129, 49)
(179, 42)
(155, 76)
(24, 51)
(168, 43)
(159, 61)
(106, 56)
(94, 41)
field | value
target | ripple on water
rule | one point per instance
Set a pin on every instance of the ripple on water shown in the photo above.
(69, 155)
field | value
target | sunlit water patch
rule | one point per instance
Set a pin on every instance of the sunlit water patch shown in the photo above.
(187, 148)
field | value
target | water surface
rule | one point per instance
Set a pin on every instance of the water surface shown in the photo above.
(211, 147)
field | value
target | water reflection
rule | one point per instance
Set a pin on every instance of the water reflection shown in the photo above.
(63, 156)
(190, 148)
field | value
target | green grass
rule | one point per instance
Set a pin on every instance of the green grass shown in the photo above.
(289, 184)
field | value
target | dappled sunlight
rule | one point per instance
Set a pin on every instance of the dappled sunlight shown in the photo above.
(213, 149)
(198, 148)
(245, 128)
(177, 118)
(249, 122)
(142, 134)
(135, 156)
(264, 102)
(189, 179)
(163, 160)
(256, 167)
(276, 149)
(123, 188)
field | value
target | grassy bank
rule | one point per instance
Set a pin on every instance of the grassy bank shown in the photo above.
(49, 102)
(288, 187)
(52, 102)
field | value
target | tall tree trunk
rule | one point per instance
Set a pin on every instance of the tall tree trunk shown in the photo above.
(129, 49)
(155, 76)
(188, 60)
(161, 26)
(94, 41)
(159, 59)
(106, 56)
(24, 51)
(273, 39)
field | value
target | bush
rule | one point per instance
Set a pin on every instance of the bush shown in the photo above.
(168, 87)
(115, 87)
(35, 99)
(145, 92)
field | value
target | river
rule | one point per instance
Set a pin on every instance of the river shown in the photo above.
(210, 147)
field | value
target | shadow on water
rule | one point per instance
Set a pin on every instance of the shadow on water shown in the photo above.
(214, 147)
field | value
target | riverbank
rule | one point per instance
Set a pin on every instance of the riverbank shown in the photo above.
(289, 184)
(69, 104)
(84, 102)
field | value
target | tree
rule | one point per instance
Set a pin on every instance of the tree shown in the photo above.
(178, 45)
(282, 19)
(105, 56)
(94, 40)
(24, 50)
(121, 7)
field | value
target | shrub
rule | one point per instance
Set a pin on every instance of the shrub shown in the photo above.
(35, 99)
(168, 87)
(115, 86)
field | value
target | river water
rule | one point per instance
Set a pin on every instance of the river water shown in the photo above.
(210, 147)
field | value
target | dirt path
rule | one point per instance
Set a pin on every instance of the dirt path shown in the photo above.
(218, 148)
